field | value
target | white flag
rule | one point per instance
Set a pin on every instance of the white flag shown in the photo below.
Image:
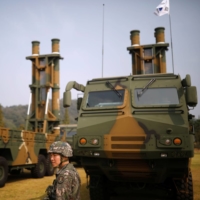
(162, 8)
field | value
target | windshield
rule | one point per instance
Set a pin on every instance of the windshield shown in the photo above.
(157, 96)
(107, 98)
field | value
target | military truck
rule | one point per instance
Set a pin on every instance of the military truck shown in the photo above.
(133, 131)
(67, 131)
(28, 148)
(66, 134)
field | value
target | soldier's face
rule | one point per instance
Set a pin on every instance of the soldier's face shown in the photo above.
(55, 159)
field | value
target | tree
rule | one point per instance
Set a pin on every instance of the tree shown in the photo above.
(1, 117)
(66, 119)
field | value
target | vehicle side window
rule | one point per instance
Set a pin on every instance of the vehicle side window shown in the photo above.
(62, 131)
(71, 132)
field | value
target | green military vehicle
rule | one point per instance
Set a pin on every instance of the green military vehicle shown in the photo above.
(67, 131)
(133, 131)
(28, 148)
(66, 134)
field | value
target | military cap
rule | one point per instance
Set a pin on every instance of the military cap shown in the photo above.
(62, 148)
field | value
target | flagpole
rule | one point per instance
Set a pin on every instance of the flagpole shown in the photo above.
(103, 41)
(171, 39)
(162, 9)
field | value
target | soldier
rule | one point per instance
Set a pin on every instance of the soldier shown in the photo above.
(67, 184)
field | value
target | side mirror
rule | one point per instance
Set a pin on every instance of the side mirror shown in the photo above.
(191, 96)
(79, 101)
(186, 82)
(67, 99)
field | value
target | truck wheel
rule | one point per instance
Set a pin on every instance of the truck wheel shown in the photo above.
(185, 188)
(98, 190)
(40, 169)
(49, 167)
(3, 171)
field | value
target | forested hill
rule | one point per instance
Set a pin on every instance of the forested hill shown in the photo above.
(14, 116)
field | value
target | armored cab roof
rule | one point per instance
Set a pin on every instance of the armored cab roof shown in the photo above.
(135, 76)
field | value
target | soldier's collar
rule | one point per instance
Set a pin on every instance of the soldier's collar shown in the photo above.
(61, 169)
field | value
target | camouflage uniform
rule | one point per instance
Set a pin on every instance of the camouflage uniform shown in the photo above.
(67, 184)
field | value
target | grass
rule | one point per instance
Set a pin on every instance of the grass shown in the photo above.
(196, 175)
(24, 187)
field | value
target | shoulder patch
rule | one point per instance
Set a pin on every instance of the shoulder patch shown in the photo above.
(61, 179)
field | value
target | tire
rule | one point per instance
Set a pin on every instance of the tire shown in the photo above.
(185, 188)
(49, 167)
(3, 171)
(40, 169)
(98, 189)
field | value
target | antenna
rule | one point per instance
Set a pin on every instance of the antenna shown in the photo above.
(103, 41)
(171, 43)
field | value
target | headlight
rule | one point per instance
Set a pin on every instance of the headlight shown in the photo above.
(177, 141)
(94, 141)
(89, 141)
(82, 141)
(168, 141)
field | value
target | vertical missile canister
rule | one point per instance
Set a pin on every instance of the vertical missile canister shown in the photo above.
(56, 80)
(136, 61)
(35, 73)
(135, 37)
(159, 34)
(43, 116)
(35, 48)
(55, 46)
(160, 61)
(148, 59)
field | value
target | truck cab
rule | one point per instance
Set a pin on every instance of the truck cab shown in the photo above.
(134, 130)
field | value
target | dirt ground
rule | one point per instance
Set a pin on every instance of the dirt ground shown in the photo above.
(24, 187)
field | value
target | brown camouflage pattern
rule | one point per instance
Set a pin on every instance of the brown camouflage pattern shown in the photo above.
(132, 138)
(21, 148)
(128, 139)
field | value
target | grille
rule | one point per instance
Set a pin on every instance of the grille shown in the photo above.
(128, 146)
(150, 177)
(128, 155)
(132, 138)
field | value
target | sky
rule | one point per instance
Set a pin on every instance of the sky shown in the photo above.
(85, 28)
